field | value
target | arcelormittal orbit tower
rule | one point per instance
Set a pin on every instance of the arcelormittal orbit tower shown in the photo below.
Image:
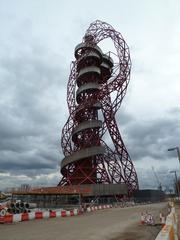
(96, 87)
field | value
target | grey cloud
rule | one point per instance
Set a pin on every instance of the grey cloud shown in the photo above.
(33, 82)
(147, 179)
(152, 138)
(124, 117)
(32, 103)
(33, 180)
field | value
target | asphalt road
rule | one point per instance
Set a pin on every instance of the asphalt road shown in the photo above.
(100, 225)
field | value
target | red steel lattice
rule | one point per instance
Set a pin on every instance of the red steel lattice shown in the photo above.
(96, 84)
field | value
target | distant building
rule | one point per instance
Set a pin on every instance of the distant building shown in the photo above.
(24, 187)
(149, 195)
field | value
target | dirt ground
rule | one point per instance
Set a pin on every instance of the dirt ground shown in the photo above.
(110, 224)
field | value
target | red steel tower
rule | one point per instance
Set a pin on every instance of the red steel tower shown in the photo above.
(95, 90)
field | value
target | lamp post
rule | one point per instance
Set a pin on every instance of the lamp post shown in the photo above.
(178, 152)
(176, 180)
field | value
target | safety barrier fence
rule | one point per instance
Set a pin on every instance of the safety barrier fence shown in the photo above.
(169, 230)
(12, 218)
(94, 208)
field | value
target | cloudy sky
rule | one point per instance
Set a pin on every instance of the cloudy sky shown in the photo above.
(37, 41)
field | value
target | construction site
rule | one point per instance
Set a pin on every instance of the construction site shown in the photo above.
(98, 184)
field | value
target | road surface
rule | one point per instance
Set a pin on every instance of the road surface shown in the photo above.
(108, 224)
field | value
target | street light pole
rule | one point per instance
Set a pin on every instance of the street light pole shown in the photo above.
(177, 185)
(178, 152)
